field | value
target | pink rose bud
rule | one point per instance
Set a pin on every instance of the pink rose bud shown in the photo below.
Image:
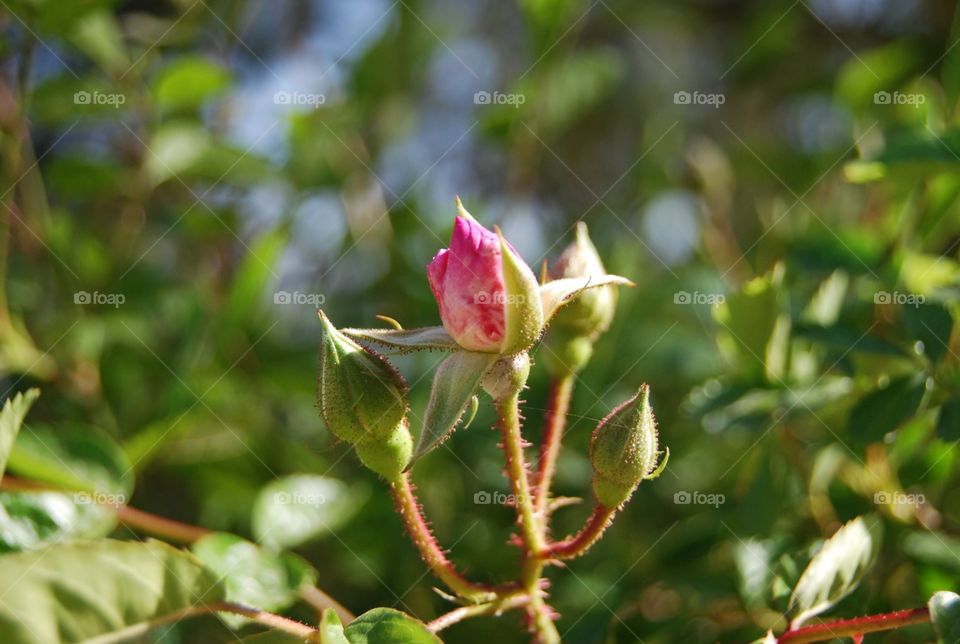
(489, 298)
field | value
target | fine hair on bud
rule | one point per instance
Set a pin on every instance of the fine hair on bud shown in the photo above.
(624, 450)
(363, 401)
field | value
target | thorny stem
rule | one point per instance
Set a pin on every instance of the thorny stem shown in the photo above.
(533, 532)
(465, 612)
(579, 543)
(409, 509)
(856, 626)
(557, 406)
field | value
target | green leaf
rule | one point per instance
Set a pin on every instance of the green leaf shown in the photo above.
(30, 520)
(273, 637)
(388, 626)
(945, 614)
(11, 418)
(824, 307)
(930, 324)
(948, 421)
(102, 589)
(175, 149)
(434, 337)
(252, 277)
(294, 509)
(935, 548)
(563, 91)
(98, 35)
(884, 409)
(331, 629)
(749, 319)
(454, 384)
(950, 69)
(934, 276)
(556, 293)
(879, 69)
(252, 575)
(76, 457)
(188, 82)
(753, 559)
(835, 571)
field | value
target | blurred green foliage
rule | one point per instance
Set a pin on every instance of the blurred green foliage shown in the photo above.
(183, 183)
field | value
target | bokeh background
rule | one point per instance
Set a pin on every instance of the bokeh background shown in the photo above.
(185, 182)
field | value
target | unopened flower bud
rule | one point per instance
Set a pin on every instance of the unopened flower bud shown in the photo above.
(488, 297)
(623, 450)
(592, 311)
(363, 401)
(569, 341)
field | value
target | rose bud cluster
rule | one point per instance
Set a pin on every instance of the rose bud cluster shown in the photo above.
(569, 344)
(363, 402)
(623, 450)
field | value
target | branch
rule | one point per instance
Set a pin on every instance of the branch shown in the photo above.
(579, 543)
(466, 612)
(856, 626)
(408, 507)
(270, 620)
(533, 533)
(557, 406)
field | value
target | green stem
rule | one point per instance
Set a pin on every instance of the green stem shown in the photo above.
(409, 509)
(557, 407)
(531, 529)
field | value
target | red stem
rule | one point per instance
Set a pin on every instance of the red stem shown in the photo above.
(557, 405)
(588, 535)
(855, 626)
(409, 509)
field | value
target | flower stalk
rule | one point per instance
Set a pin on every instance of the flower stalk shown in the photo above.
(561, 390)
(578, 544)
(856, 626)
(532, 528)
(432, 554)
